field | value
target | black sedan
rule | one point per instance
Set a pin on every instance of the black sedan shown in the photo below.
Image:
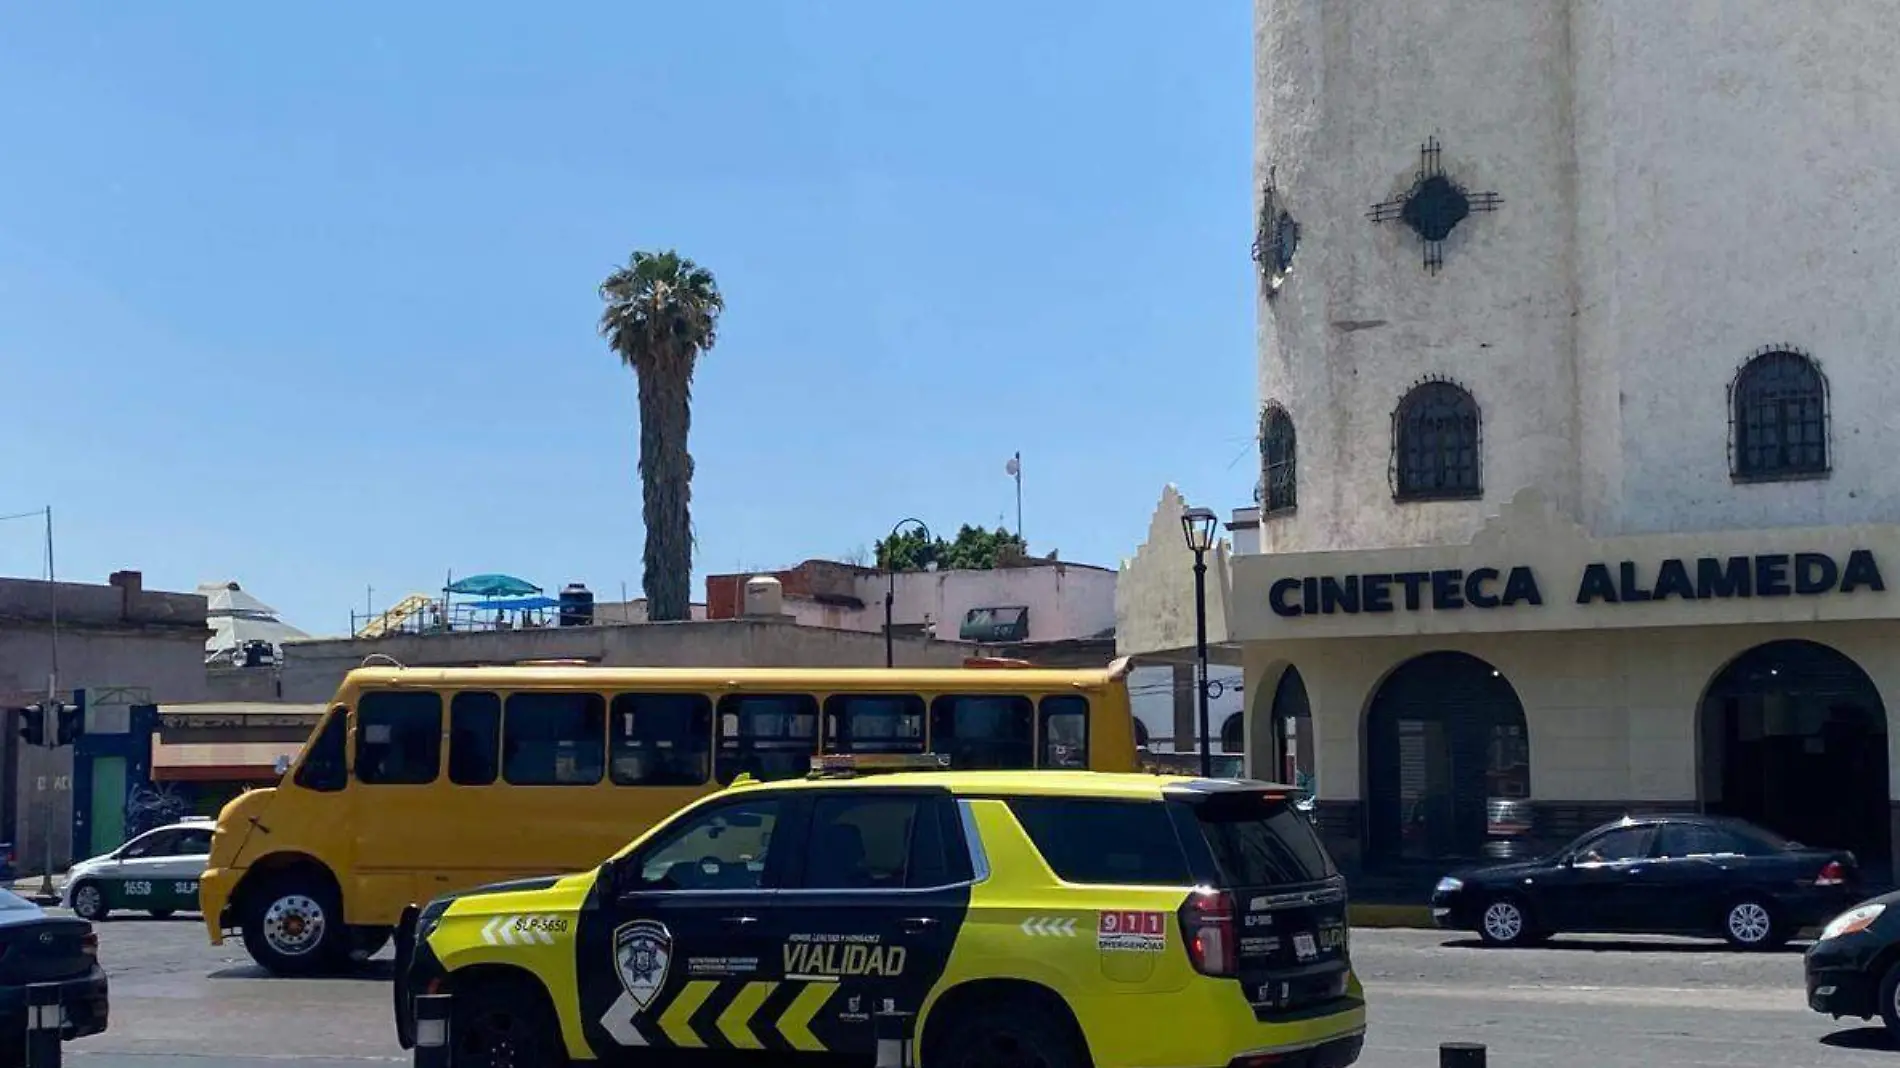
(1854, 967)
(38, 948)
(1686, 875)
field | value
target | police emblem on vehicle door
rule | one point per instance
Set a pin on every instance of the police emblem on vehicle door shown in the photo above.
(642, 951)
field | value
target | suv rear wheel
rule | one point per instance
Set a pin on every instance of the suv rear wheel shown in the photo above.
(1007, 1036)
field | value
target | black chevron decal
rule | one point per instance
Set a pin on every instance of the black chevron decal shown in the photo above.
(764, 1023)
(705, 1020)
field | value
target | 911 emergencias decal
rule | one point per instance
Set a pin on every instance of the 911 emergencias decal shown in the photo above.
(1132, 932)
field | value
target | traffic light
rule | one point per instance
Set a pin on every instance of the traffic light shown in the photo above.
(72, 719)
(33, 724)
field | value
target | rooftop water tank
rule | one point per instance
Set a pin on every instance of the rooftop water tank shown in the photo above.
(577, 605)
(764, 596)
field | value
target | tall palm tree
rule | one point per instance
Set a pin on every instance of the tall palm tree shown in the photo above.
(662, 312)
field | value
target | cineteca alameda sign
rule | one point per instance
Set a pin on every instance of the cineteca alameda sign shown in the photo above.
(1707, 578)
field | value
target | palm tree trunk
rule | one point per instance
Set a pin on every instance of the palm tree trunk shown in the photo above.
(666, 482)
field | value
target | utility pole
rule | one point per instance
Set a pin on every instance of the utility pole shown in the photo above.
(52, 711)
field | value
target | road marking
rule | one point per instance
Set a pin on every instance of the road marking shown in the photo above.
(732, 1022)
(1049, 927)
(677, 1020)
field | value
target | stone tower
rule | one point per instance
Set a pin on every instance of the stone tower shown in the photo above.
(1512, 243)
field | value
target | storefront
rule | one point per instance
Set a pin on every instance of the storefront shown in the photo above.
(1461, 702)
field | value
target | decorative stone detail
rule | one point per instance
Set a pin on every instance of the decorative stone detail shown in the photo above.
(1434, 206)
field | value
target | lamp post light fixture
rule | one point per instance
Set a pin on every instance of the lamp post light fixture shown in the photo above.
(890, 593)
(1198, 526)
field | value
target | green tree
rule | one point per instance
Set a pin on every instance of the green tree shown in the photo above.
(662, 313)
(975, 549)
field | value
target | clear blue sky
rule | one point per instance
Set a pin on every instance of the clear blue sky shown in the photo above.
(305, 296)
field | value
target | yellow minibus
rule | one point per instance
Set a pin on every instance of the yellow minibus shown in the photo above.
(425, 781)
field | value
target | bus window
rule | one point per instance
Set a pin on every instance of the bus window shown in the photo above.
(874, 723)
(474, 739)
(398, 737)
(770, 736)
(554, 739)
(1065, 731)
(660, 739)
(983, 731)
(323, 768)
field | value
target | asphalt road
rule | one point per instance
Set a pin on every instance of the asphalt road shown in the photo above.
(178, 1002)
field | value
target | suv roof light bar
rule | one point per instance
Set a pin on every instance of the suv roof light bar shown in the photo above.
(847, 765)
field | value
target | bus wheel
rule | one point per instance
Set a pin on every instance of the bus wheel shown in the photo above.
(293, 925)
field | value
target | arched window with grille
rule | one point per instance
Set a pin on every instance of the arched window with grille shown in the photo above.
(1436, 451)
(1279, 472)
(1778, 418)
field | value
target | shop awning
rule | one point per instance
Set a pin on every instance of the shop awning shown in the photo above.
(219, 761)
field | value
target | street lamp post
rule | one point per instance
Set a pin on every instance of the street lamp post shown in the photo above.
(890, 593)
(1197, 526)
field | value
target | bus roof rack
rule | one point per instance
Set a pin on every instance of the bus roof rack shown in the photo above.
(851, 765)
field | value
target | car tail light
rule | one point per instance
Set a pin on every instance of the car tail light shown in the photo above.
(1207, 928)
(1832, 875)
(89, 943)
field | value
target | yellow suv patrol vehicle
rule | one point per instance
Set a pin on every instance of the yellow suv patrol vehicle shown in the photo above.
(1060, 919)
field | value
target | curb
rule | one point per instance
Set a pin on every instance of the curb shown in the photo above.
(1415, 916)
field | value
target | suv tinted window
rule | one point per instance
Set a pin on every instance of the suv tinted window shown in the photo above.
(1117, 843)
(722, 848)
(398, 737)
(323, 768)
(1259, 839)
(860, 843)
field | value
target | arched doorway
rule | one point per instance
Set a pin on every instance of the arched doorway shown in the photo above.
(1793, 736)
(1233, 734)
(1445, 743)
(1292, 723)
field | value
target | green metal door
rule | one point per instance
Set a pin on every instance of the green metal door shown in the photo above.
(106, 825)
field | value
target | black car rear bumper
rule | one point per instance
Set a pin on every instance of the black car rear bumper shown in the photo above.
(1337, 1053)
(84, 1000)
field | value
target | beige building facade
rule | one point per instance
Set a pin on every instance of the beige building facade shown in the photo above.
(1490, 698)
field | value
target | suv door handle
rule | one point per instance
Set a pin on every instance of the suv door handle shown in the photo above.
(914, 924)
(740, 921)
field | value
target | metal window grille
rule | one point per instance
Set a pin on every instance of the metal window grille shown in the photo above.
(1436, 444)
(1778, 419)
(1278, 462)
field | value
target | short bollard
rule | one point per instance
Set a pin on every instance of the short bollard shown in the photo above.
(432, 1031)
(44, 1020)
(893, 1031)
(1460, 1055)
